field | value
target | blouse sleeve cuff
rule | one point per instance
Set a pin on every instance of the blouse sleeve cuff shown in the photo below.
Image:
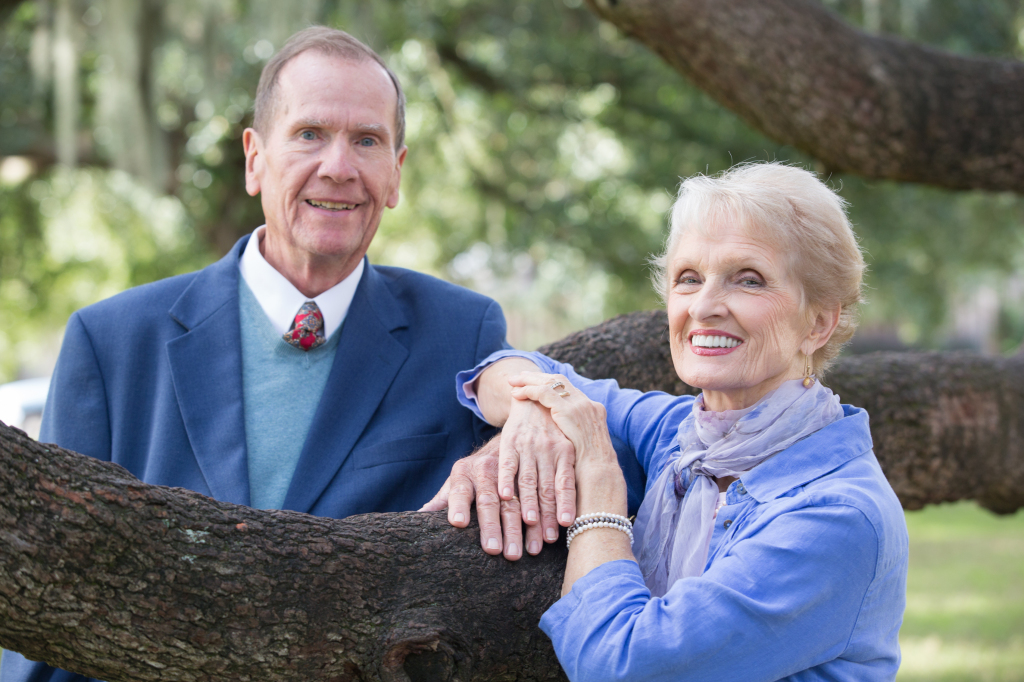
(464, 380)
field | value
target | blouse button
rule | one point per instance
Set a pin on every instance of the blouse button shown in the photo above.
(727, 523)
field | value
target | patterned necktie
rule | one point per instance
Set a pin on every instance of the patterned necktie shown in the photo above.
(307, 330)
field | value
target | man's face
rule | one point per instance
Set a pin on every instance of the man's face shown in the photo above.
(327, 166)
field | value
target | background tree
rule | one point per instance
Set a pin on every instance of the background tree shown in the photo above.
(546, 145)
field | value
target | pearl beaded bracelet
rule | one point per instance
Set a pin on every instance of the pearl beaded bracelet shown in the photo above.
(599, 520)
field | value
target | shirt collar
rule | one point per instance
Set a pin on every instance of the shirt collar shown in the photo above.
(813, 457)
(280, 299)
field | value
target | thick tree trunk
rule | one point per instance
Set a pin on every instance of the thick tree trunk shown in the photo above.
(946, 426)
(107, 576)
(876, 106)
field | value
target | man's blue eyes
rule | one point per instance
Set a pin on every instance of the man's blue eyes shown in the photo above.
(364, 142)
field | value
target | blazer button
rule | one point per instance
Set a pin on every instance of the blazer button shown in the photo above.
(727, 523)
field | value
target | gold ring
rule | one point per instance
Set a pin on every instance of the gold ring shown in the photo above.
(564, 394)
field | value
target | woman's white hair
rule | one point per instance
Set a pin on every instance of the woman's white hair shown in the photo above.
(796, 214)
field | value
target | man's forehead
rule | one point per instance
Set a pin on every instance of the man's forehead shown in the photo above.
(314, 76)
(332, 67)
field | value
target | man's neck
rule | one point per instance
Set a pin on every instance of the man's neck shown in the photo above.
(311, 275)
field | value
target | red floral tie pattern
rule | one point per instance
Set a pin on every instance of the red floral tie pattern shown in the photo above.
(307, 330)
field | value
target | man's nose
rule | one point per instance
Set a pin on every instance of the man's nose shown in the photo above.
(337, 162)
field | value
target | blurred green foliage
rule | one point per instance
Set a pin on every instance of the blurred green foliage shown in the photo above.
(544, 151)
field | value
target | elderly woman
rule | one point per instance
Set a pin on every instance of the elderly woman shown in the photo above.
(769, 544)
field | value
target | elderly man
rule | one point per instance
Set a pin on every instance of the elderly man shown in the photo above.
(292, 373)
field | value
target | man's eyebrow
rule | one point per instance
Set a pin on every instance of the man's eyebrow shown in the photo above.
(375, 128)
(310, 123)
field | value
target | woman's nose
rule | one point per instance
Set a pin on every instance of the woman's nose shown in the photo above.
(709, 302)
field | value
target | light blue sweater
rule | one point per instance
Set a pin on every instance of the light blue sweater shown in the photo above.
(281, 386)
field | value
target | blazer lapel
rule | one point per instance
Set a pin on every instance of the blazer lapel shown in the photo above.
(367, 359)
(206, 367)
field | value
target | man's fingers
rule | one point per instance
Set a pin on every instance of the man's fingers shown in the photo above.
(511, 521)
(488, 514)
(508, 465)
(534, 539)
(461, 494)
(440, 500)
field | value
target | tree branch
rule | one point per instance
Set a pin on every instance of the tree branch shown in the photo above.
(876, 106)
(946, 426)
(115, 579)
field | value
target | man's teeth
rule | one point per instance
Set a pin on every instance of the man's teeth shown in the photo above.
(330, 205)
(707, 341)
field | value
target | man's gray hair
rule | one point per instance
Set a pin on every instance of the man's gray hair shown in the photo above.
(327, 41)
(795, 213)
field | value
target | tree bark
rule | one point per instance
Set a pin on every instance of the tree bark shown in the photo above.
(876, 106)
(104, 575)
(112, 578)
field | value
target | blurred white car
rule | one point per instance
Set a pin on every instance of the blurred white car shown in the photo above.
(22, 402)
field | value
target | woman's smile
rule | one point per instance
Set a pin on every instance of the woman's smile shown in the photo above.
(713, 342)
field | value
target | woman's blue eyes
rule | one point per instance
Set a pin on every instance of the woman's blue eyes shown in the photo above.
(744, 281)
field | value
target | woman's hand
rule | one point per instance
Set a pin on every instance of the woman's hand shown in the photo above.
(600, 486)
(583, 421)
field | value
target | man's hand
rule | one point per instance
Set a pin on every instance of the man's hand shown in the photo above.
(530, 456)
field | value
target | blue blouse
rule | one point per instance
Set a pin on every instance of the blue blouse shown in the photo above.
(806, 574)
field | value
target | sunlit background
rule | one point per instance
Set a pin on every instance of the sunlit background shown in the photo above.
(544, 151)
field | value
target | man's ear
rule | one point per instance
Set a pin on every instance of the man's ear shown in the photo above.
(825, 323)
(251, 143)
(393, 195)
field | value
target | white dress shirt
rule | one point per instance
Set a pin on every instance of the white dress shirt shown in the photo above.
(280, 299)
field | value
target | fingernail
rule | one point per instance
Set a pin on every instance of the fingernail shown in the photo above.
(493, 543)
(459, 518)
(551, 534)
(566, 518)
(531, 516)
(507, 492)
(534, 547)
(513, 550)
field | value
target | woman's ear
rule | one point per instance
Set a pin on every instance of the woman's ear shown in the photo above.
(824, 325)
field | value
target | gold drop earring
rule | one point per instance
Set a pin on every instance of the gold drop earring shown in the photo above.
(808, 369)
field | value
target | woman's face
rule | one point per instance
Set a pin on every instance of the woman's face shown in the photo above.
(736, 317)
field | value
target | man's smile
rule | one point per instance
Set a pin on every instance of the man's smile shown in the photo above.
(331, 205)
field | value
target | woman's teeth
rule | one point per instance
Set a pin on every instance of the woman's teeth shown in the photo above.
(707, 341)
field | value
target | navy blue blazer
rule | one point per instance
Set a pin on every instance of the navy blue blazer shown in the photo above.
(152, 379)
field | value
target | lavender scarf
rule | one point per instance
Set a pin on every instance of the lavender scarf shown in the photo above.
(674, 526)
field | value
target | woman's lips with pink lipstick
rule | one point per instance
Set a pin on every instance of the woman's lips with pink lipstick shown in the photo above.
(713, 342)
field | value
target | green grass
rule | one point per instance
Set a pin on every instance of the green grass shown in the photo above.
(965, 596)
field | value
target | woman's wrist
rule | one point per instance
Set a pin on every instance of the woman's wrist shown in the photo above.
(600, 487)
(493, 394)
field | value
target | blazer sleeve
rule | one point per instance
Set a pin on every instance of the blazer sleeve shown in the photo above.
(76, 416)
